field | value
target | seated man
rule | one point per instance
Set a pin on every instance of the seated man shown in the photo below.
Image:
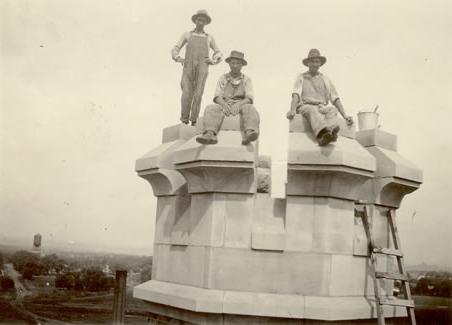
(310, 96)
(234, 95)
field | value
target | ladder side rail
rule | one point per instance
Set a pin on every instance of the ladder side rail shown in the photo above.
(370, 241)
(400, 263)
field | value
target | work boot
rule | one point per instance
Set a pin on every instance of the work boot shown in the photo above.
(325, 137)
(208, 137)
(250, 136)
(334, 131)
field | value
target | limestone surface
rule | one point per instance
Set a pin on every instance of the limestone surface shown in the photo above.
(226, 252)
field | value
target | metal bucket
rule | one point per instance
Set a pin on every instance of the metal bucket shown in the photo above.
(367, 120)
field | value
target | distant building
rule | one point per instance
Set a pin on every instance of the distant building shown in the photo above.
(37, 240)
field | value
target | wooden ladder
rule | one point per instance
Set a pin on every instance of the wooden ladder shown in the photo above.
(380, 300)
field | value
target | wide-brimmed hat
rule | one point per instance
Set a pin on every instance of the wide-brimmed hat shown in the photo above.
(201, 12)
(314, 53)
(236, 55)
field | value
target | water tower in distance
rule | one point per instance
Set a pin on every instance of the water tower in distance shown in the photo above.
(37, 244)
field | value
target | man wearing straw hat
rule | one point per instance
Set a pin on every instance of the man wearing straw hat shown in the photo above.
(310, 96)
(196, 65)
(233, 95)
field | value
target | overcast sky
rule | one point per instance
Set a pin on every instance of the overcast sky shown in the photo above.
(87, 86)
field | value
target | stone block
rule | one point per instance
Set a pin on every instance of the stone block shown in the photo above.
(333, 226)
(269, 271)
(181, 227)
(299, 223)
(303, 150)
(180, 296)
(207, 219)
(159, 157)
(228, 149)
(269, 213)
(186, 265)
(178, 132)
(392, 164)
(271, 241)
(377, 137)
(263, 304)
(343, 308)
(225, 167)
(325, 181)
(164, 219)
(268, 223)
(173, 315)
(360, 240)
(239, 210)
(300, 124)
(203, 177)
(172, 220)
(337, 170)
(351, 276)
(380, 226)
(326, 306)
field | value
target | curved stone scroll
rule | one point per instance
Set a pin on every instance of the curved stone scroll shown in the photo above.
(165, 181)
(389, 191)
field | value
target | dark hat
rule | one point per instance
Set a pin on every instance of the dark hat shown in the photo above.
(201, 12)
(314, 53)
(237, 55)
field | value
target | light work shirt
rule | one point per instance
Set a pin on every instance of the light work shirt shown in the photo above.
(234, 89)
(314, 89)
(217, 55)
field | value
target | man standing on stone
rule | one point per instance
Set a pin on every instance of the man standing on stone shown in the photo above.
(195, 64)
(310, 96)
(233, 95)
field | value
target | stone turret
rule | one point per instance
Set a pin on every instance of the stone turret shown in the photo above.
(225, 252)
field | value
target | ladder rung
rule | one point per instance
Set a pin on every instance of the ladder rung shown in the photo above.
(388, 251)
(391, 276)
(397, 302)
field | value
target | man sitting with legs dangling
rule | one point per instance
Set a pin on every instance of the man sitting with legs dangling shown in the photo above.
(310, 96)
(233, 95)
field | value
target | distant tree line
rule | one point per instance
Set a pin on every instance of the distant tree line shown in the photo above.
(92, 279)
(29, 264)
(85, 279)
(79, 271)
(146, 272)
(434, 284)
